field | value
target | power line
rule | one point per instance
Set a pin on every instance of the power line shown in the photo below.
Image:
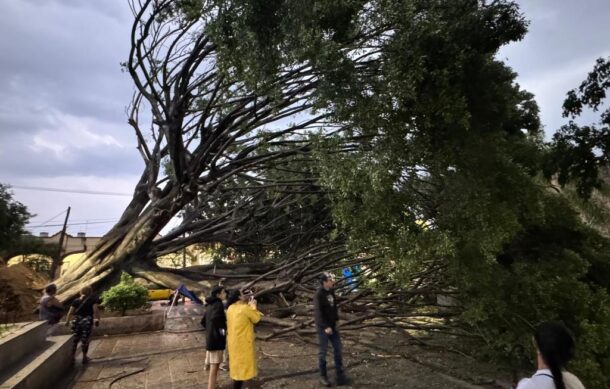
(72, 224)
(79, 191)
(34, 221)
(61, 213)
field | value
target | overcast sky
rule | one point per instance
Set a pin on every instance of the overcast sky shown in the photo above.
(63, 96)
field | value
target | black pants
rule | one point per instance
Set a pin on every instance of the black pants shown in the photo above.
(335, 340)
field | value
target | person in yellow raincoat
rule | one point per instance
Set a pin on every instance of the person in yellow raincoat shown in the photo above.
(241, 318)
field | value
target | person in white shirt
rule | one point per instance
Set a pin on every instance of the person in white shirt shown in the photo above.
(554, 349)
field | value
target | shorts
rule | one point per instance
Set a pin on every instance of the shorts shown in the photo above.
(212, 357)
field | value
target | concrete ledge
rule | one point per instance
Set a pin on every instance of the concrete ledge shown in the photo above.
(46, 368)
(21, 343)
(124, 325)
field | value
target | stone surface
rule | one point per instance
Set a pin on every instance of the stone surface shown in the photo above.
(184, 318)
(158, 359)
(124, 325)
(20, 343)
(42, 370)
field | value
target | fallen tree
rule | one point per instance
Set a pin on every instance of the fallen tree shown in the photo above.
(381, 134)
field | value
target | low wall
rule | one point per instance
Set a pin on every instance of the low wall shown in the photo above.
(45, 369)
(14, 347)
(124, 325)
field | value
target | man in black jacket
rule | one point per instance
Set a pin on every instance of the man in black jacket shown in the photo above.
(326, 315)
(216, 332)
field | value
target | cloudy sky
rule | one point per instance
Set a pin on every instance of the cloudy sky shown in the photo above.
(63, 96)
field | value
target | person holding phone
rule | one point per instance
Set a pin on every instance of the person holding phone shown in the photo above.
(241, 318)
(326, 318)
(84, 309)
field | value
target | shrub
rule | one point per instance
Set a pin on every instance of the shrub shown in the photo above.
(125, 295)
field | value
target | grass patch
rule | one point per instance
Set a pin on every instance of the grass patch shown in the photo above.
(5, 329)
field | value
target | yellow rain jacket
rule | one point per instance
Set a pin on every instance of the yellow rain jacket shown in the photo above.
(241, 318)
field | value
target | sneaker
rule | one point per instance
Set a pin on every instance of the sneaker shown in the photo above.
(324, 381)
(223, 367)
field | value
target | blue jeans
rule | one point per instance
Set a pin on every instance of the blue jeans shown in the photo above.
(335, 340)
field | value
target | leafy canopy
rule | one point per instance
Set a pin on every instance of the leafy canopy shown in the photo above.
(446, 156)
(580, 152)
(13, 218)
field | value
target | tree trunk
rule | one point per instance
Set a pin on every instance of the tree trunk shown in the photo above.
(128, 243)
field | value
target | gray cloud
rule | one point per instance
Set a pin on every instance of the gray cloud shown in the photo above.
(564, 40)
(60, 82)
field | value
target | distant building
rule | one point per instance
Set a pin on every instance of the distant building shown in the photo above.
(76, 247)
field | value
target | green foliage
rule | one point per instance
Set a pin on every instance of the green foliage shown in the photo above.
(125, 295)
(579, 152)
(14, 239)
(444, 156)
(13, 218)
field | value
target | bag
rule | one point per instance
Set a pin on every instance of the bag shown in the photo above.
(82, 303)
(54, 315)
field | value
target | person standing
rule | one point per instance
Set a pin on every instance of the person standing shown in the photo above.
(554, 349)
(84, 309)
(49, 308)
(326, 317)
(241, 318)
(216, 332)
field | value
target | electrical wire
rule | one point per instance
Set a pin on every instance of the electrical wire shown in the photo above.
(54, 217)
(72, 224)
(33, 221)
(79, 191)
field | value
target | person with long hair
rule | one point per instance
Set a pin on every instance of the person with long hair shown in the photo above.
(554, 349)
(242, 315)
(84, 309)
(216, 332)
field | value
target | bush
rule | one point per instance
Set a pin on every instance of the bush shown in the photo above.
(125, 295)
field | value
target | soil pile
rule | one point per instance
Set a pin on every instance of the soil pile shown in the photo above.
(20, 290)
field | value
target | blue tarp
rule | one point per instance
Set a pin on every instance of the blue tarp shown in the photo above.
(187, 293)
(350, 278)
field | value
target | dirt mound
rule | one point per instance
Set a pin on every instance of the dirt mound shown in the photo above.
(20, 289)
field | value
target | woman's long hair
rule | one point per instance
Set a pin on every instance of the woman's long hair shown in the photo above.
(556, 346)
(233, 297)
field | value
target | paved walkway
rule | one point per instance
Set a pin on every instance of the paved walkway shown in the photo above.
(174, 360)
(152, 360)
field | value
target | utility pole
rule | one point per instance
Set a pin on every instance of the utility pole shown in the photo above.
(55, 265)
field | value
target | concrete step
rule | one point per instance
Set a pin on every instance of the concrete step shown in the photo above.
(25, 341)
(43, 369)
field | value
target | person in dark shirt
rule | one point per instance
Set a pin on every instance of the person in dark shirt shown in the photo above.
(84, 309)
(216, 332)
(326, 317)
